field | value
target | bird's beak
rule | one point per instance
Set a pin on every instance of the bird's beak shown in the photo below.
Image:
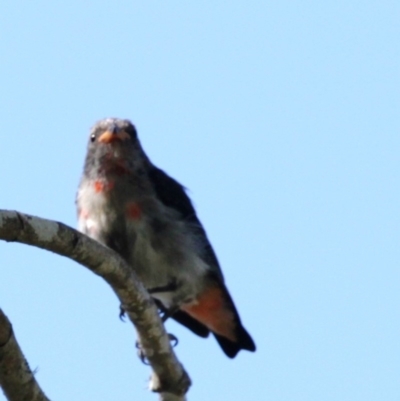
(108, 136)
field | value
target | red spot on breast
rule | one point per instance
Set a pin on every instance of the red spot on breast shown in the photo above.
(133, 211)
(212, 310)
(98, 186)
(103, 186)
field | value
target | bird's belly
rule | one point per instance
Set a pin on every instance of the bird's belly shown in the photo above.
(159, 247)
(93, 217)
(168, 264)
(149, 263)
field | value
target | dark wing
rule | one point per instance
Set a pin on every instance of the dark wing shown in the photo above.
(173, 195)
(243, 338)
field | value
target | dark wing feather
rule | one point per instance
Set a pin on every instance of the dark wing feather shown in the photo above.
(243, 338)
(173, 195)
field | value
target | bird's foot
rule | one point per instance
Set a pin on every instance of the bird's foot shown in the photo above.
(164, 315)
(140, 351)
(167, 313)
(173, 340)
(141, 354)
(122, 313)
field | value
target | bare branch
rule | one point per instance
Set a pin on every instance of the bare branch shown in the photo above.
(16, 378)
(169, 377)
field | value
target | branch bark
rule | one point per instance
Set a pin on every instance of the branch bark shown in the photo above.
(16, 378)
(169, 378)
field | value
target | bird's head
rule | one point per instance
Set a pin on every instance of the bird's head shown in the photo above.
(114, 145)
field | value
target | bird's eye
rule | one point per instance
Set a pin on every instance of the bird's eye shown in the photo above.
(92, 137)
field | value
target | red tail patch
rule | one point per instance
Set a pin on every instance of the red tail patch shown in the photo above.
(212, 310)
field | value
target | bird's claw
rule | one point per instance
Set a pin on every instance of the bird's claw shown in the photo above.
(164, 315)
(122, 313)
(173, 340)
(141, 354)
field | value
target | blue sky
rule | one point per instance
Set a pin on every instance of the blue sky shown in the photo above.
(282, 120)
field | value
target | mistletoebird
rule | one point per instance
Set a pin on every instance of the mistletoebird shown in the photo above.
(125, 202)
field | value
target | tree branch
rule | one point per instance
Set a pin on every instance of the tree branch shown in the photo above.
(169, 377)
(16, 378)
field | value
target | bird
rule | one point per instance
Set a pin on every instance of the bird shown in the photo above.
(133, 207)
